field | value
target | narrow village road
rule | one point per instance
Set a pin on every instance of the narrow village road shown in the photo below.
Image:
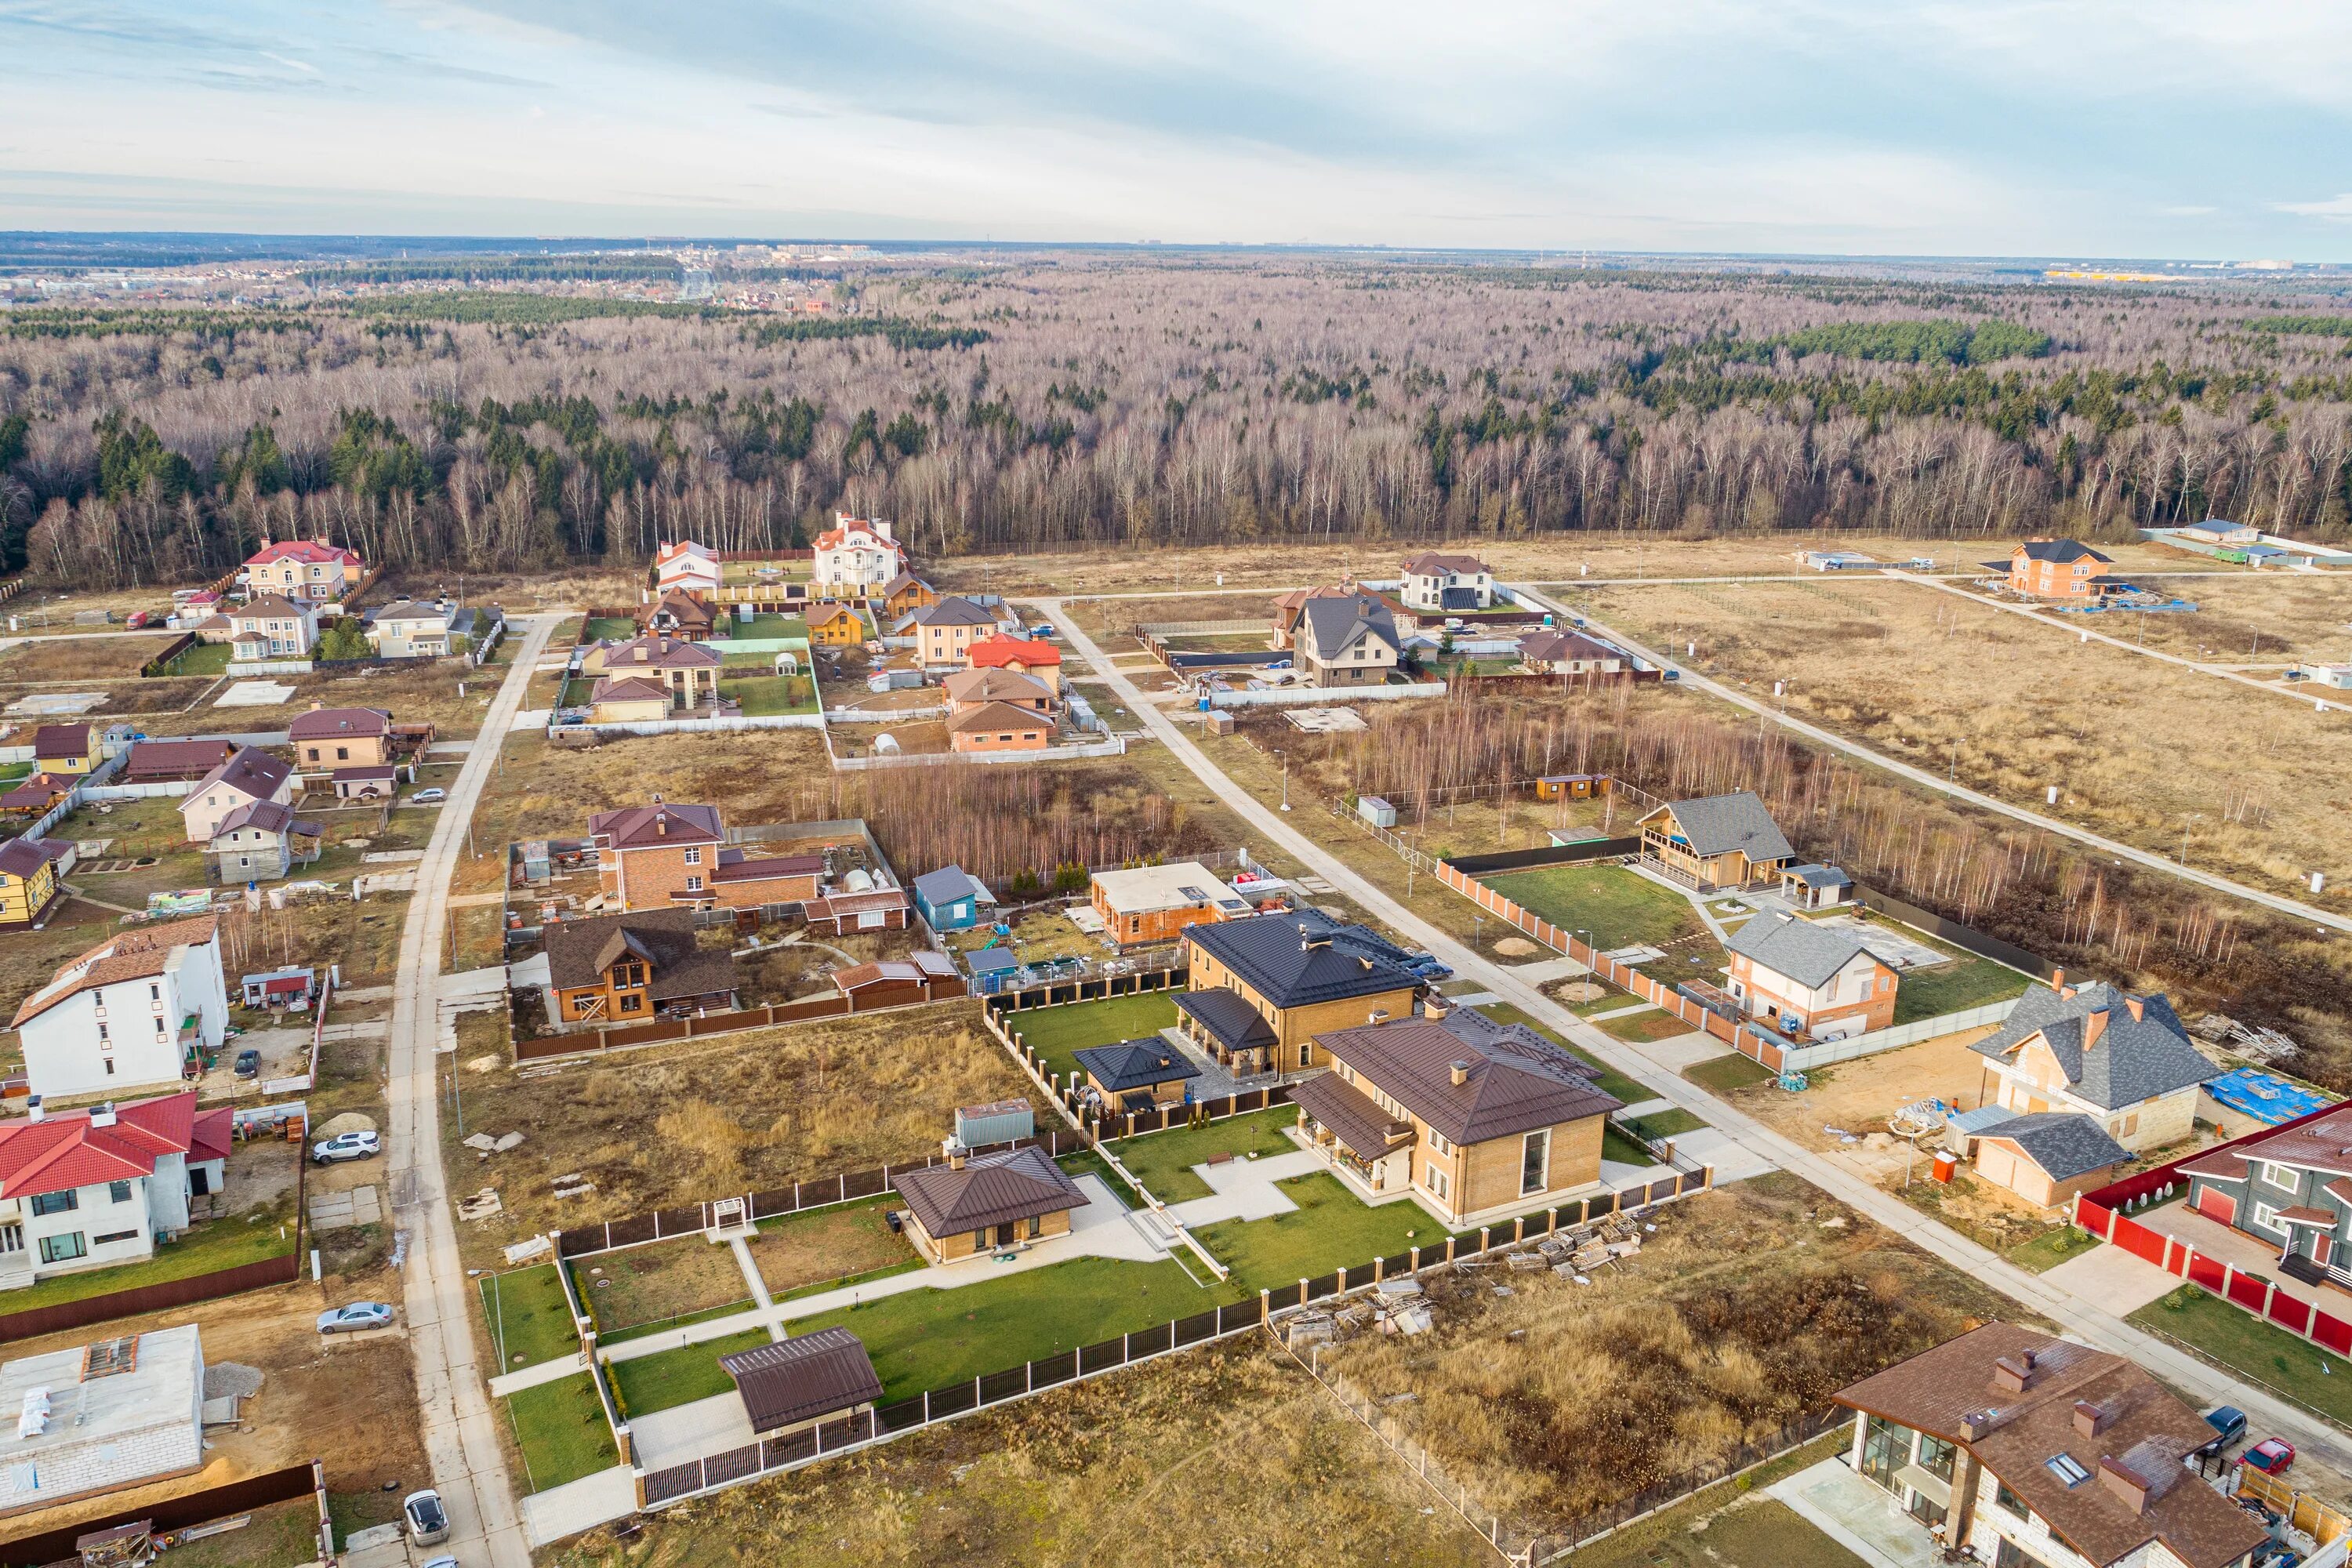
(2074, 1315)
(1928, 778)
(461, 1437)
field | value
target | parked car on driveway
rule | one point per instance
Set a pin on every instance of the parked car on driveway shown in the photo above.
(428, 796)
(428, 1521)
(346, 1146)
(2272, 1456)
(2228, 1423)
(248, 1063)
(355, 1316)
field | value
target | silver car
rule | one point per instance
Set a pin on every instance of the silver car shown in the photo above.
(428, 1521)
(358, 1315)
(364, 1145)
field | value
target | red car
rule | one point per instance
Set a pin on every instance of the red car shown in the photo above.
(2272, 1456)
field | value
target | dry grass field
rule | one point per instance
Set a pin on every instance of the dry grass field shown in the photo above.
(1229, 1454)
(674, 1124)
(1744, 1310)
(2138, 747)
(83, 658)
(2267, 618)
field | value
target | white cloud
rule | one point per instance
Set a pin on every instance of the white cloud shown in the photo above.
(2337, 206)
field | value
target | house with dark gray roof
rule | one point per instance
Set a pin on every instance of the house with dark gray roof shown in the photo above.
(2047, 1157)
(2123, 1060)
(1475, 1119)
(1809, 982)
(1136, 1074)
(1716, 841)
(977, 1204)
(1260, 989)
(1346, 641)
(802, 1381)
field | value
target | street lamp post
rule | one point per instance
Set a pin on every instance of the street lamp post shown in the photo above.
(1285, 778)
(2193, 817)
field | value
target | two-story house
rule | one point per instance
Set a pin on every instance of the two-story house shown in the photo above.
(1290, 609)
(262, 841)
(331, 737)
(435, 629)
(977, 688)
(250, 774)
(91, 1189)
(1349, 641)
(64, 749)
(308, 571)
(998, 727)
(1809, 982)
(132, 1012)
(680, 614)
(2122, 1060)
(1260, 989)
(267, 626)
(28, 883)
(1715, 841)
(2065, 569)
(1475, 1119)
(686, 672)
(660, 856)
(1439, 583)
(836, 626)
(906, 594)
(856, 558)
(1032, 657)
(944, 632)
(685, 567)
(2029, 1451)
(627, 968)
(2291, 1189)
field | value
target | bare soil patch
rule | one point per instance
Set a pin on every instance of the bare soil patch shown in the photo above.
(669, 1280)
(830, 1244)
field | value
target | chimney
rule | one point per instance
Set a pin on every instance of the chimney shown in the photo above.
(2128, 1486)
(1459, 1073)
(33, 1109)
(2013, 1374)
(2090, 1420)
(1435, 1006)
(2093, 1027)
(315, 706)
(2138, 1007)
(955, 1161)
(102, 1115)
(2058, 982)
(661, 826)
(1976, 1423)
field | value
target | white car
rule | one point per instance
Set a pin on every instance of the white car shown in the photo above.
(363, 1145)
(429, 797)
(358, 1315)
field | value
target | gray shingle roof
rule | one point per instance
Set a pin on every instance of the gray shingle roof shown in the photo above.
(1231, 1022)
(1291, 961)
(955, 612)
(1718, 823)
(1330, 625)
(944, 886)
(2131, 1060)
(1806, 953)
(2064, 1143)
(2060, 550)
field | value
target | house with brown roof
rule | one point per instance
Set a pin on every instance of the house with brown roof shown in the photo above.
(840, 911)
(304, 570)
(2023, 1449)
(262, 841)
(35, 795)
(1474, 1119)
(64, 749)
(166, 762)
(628, 968)
(974, 1205)
(133, 1012)
(333, 738)
(1559, 652)
(809, 1379)
(680, 614)
(1436, 582)
(627, 699)
(905, 593)
(1290, 609)
(836, 626)
(686, 673)
(249, 774)
(29, 887)
(977, 688)
(661, 856)
(998, 727)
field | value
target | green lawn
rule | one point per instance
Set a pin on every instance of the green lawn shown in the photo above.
(205, 658)
(1953, 987)
(1617, 1145)
(651, 1383)
(766, 694)
(1657, 1024)
(1086, 1162)
(560, 1428)
(1163, 1162)
(611, 628)
(923, 1339)
(1728, 1071)
(1617, 907)
(1329, 1229)
(2051, 1248)
(530, 1321)
(1611, 1080)
(684, 1320)
(215, 1245)
(1055, 1032)
(767, 628)
(1671, 1123)
(13, 771)
(2244, 1344)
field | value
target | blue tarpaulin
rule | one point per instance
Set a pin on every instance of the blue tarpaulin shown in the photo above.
(2264, 1096)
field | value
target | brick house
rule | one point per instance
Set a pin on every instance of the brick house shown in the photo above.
(1144, 904)
(267, 626)
(978, 688)
(627, 968)
(687, 672)
(681, 615)
(627, 699)
(1568, 653)
(2065, 569)
(974, 1205)
(249, 774)
(660, 856)
(1259, 990)
(1439, 583)
(998, 727)
(944, 632)
(2122, 1060)
(342, 737)
(1472, 1119)
(1290, 609)
(2026, 1449)
(1810, 982)
(1716, 841)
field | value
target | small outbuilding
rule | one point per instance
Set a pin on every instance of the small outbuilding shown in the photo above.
(1137, 1075)
(970, 1206)
(2047, 1157)
(804, 1381)
(952, 899)
(1811, 887)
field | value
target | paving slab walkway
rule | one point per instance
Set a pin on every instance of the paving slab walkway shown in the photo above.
(1246, 1189)
(566, 1511)
(1855, 1514)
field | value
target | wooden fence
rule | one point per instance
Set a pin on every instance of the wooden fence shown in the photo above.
(57, 1545)
(869, 999)
(172, 650)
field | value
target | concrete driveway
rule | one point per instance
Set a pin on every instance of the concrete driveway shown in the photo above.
(2110, 1277)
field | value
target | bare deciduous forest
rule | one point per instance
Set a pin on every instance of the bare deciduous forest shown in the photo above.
(1189, 400)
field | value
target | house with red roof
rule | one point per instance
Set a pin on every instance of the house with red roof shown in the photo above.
(91, 1189)
(132, 1012)
(856, 558)
(303, 570)
(1025, 655)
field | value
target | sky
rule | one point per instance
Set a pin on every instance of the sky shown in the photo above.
(2197, 128)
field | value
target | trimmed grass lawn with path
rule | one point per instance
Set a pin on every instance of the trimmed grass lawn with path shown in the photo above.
(205, 658)
(1954, 987)
(658, 1382)
(1086, 1162)
(1056, 1034)
(1618, 908)
(652, 1284)
(2239, 1341)
(1611, 1080)
(610, 628)
(1329, 1229)
(1671, 1123)
(530, 1321)
(1163, 1162)
(1655, 1024)
(761, 696)
(560, 1427)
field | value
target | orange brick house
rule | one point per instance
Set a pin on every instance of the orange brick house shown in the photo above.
(2067, 570)
(342, 737)
(663, 856)
(1000, 727)
(686, 671)
(969, 689)
(1154, 903)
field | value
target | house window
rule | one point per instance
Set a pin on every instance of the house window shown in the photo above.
(2266, 1219)
(1535, 1161)
(1886, 1449)
(2008, 1499)
(63, 1249)
(1436, 1182)
(2280, 1176)
(694, 855)
(342, 754)
(1936, 1457)
(12, 1238)
(56, 1203)
(631, 1003)
(118, 1190)
(694, 884)
(114, 1235)
(1306, 1054)
(110, 1065)
(2008, 1555)
(1036, 1225)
